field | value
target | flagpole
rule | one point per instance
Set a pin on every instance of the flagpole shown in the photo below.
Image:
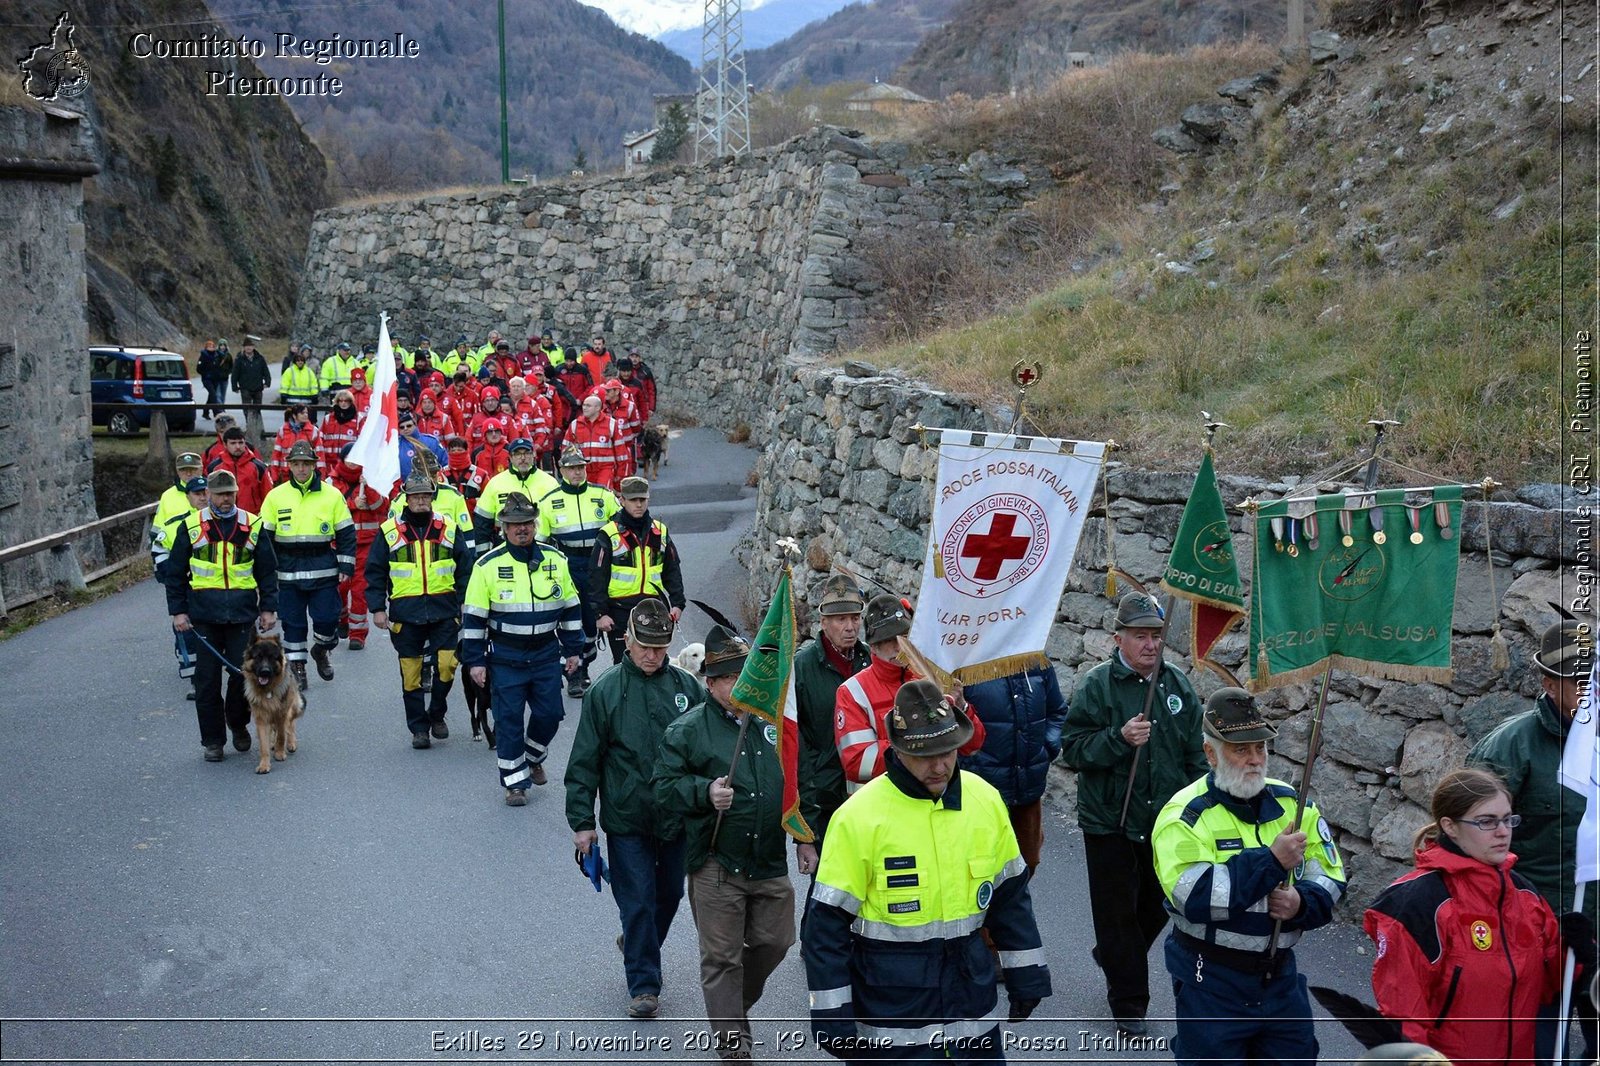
(1149, 701)
(1563, 1021)
(738, 750)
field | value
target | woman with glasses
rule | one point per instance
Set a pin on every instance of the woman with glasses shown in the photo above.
(1467, 949)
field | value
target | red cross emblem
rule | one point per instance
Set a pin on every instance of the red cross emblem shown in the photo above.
(995, 547)
(995, 544)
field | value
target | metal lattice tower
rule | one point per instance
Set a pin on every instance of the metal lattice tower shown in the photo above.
(722, 107)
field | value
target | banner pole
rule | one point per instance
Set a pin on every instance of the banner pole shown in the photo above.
(1149, 701)
(1563, 1020)
(1313, 747)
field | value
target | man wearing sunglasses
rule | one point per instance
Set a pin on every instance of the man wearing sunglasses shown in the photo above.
(1525, 751)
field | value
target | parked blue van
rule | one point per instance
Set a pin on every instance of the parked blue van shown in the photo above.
(144, 377)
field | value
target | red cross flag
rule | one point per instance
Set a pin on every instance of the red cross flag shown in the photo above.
(377, 447)
(1007, 514)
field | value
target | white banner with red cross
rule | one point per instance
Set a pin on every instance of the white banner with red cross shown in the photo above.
(1007, 515)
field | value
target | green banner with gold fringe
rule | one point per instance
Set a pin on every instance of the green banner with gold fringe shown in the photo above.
(1364, 579)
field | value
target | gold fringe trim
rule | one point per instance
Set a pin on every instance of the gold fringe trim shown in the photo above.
(996, 668)
(1439, 675)
(1221, 605)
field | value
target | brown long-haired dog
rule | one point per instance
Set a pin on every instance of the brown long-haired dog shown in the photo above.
(273, 697)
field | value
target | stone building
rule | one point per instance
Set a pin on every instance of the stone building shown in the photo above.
(46, 454)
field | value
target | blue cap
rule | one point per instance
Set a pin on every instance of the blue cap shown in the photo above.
(195, 484)
(424, 339)
(521, 444)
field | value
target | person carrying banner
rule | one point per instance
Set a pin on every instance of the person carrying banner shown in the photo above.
(1105, 727)
(720, 772)
(613, 760)
(1224, 847)
(919, 864)
(1467, 949)
(820, 667)
(1525, 751)
(861, 708)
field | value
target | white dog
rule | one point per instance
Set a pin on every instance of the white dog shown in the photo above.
(691, 657)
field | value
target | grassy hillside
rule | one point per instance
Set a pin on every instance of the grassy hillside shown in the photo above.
(1406, 235)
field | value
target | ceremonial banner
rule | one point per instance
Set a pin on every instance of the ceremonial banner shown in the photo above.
(1366, 580)
(377, 446)
(1007, 514)
(1202, 568)
(1580, 771)
(765, 688)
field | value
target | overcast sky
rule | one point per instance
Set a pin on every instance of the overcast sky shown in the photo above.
(652, 17)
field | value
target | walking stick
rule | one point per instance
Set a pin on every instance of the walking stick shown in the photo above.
(738, 750)
(1149, 701)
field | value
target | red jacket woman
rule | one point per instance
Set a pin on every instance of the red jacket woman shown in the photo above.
(1467, 949)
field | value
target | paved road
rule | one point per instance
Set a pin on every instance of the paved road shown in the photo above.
(366, 901)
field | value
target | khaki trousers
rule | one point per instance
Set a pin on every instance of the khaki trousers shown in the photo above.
(746, 928)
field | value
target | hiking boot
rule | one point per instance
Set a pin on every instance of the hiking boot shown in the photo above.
(644, 1006)
(420, 740)
(190, 695)
(440, 730)
(324, 663)
(1132, 1026)
(537, 775)
(343, 630)
(356, 644)
(575, 687)
(241, 740)
(298, 669)
(516, 797)
(213, 753)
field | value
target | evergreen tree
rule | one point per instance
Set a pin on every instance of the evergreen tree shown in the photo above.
(580, 158)
(674, 131)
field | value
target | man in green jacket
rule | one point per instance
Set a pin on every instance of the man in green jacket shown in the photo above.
(613, 759)
(1525, 752)
(739, 889)
(820, 667)
(1104, 731)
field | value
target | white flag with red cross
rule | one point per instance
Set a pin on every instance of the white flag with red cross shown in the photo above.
(1007, 515)
(377, 448)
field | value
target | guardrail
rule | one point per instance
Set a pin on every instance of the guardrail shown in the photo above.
(66, 571)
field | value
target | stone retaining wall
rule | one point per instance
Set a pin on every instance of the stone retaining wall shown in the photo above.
(846, 475)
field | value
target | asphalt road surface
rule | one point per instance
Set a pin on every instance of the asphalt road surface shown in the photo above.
(366, 902)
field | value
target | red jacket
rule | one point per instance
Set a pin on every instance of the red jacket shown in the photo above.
(286, 438)
(437, 423)
(861, 720)
(643, 394)
(598, 439)
(369, 509)
(251, 474)
(335, 435)
(1463, 947)
(490, 459)
(596, 363)
(476, 424)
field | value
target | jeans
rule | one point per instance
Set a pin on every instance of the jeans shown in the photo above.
(647, 881)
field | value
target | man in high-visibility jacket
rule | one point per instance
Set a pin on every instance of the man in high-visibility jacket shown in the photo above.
(308, 524)
(221, 577)
(448, 501)
(1235, 859)
(336, 370)
(415, 574)
(520, 618)
(299, 382)
(176, 504)
(918, 864)
(571, 516)
(523, 476)
(634, 557)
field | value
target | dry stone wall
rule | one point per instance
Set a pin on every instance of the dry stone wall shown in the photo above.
(845, 473)
(716, 273)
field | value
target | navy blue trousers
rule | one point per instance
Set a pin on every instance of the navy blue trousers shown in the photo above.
(1227, 1015)
(526, 700)
(647, 881)
(322, 603)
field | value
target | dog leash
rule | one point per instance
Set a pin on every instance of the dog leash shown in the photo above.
(206, 644)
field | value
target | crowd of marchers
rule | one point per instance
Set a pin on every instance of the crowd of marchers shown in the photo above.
(924, 805)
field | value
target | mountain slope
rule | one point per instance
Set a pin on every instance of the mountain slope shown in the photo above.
(764, 26)
(576, 81)
(989, 46)
(202, 203)
(860, 42)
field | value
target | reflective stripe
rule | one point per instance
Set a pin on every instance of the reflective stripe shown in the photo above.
(857, 737)
(869, 763)
(1227, 938)
(510, 764)
(316, 538)
(1185, 884)
(831, 998)
(307, 575)
(524, 631)
(967, 1028)
(852, 685)
(1030, 957)
(1221, 891)
(1317, 874)
(1015, 868)
(474, 610)
(512, 780)
(836, 897)
(914, 934)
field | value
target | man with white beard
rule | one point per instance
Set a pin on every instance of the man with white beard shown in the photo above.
(1235, 861)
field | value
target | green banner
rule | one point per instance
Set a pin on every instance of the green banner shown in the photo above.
(1202, 567)
(1364, 579)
